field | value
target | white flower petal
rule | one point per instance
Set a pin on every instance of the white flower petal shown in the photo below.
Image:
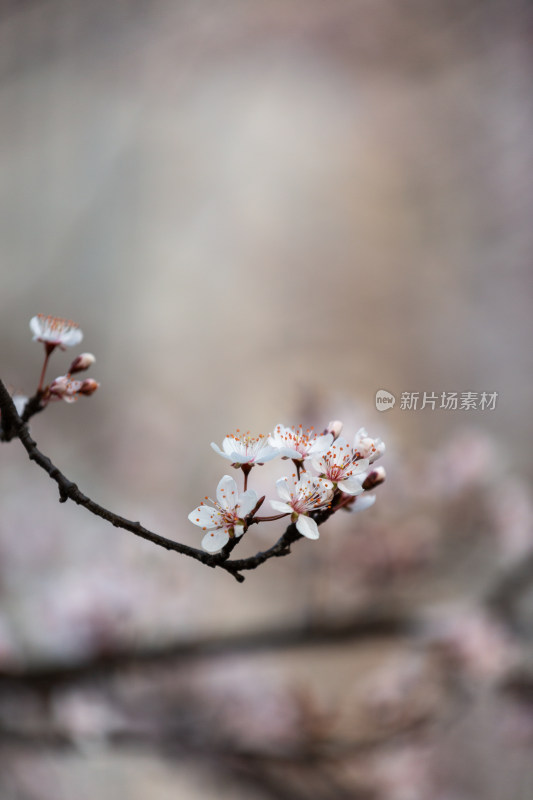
(287, 452)
(321, 444)
(35, 327)
(206, 517)
(351, 485)
(215, 541)
(237, 458)
(307, 527)
(362, 502)
(267, 453)
(228, 445)
(277, 505)
(318, 464)
(283, 488)
(217, 449)
(360, 466)
(72, 337)
(276, 439)
(227, 492)
(238, 529)
(247, 502)
(341, 443)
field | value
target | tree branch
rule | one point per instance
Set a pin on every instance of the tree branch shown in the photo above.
(14, 426)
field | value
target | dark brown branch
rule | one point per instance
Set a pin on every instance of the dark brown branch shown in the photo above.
(15, 426)
(69, 491)
(34, 405)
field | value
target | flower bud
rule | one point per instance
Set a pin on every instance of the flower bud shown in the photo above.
(335, 428)
(374, 478)
(81, 362)
(367, 446)
(88, 386)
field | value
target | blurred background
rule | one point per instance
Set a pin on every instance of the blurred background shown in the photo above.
(262, 213)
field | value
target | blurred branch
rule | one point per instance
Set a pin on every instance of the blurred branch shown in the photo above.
(293, 772)
(373, 624)
(508, 587)
(15, 426)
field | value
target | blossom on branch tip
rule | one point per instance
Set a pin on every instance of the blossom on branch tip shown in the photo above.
(299, 498)
(298, 444)
(245, 449)
(342, 466)
(368, 447)
(53, 331)
(226, 519)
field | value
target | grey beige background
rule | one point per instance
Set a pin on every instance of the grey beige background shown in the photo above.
(257, 213)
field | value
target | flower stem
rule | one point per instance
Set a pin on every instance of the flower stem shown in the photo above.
(269, 519)
(48, 351)
(246, 469)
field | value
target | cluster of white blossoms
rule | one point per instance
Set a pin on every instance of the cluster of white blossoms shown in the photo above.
(330, 474)
(53, 332)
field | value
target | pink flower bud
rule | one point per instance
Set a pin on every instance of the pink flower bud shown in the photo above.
(335, 428)
(374, 478)
(88, 386)
(81, 362)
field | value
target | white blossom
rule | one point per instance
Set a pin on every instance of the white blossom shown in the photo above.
(226, 517)
(298, 444)
(342, 466)
(299, 498)
(245, 449)
(54, 331)
(368, 447)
